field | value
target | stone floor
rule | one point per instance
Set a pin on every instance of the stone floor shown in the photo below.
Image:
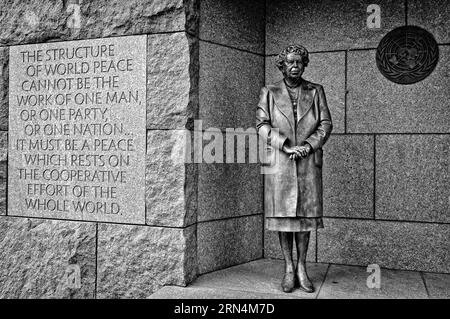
(260, 279)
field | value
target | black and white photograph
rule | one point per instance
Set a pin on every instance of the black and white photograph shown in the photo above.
(215, 156)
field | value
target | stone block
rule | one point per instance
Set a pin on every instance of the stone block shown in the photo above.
(216, 193)
(229, 190)
(234, 23)
(394, 245)
(350, 282)
(376, 105)
(348, 176)
(46, 258)
(412, 177)
(172, 80)
(171, 182)
(433, 16)
(135, 261)
(3, 170)
(229, 86)
(438, 285)
(100, 175)
(260, 276)
(224, 243)
(328, 70)
(272, 246)
(248, 186)
(4, 83)
(42, 21)
(328, 25)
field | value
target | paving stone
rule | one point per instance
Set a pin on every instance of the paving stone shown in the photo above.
(260, 276)
(47, 259)
(174, 292)
(229, 86)
(135, 261)
(329, 24)
(433, 16)
(234, 23)
(327, 69)
(376, 105)
(412, 177)
(438, 285)
(348, 176)
(350, 282)
(393, 245)
(172, 80)
(272, 246)
(228, 242)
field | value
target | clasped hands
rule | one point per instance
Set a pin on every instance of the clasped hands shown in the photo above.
(297, 151)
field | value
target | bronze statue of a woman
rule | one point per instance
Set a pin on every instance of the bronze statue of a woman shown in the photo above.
(293, 119)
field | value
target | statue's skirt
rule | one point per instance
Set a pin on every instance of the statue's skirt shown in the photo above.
(293, 224)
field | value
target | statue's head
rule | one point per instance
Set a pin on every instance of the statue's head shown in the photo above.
(292, 61)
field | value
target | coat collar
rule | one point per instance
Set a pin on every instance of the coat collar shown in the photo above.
(283, 101)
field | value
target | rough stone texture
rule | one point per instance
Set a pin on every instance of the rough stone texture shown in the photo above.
(174, 292)
(172, 76)
(3, 170)
(327, 69)
(229, 242)
(433, 16)
(272, 246)
(413, 177)
(376, 105)
(248, 184)
(42, 21)
(328, 24)
(135, 261)
(235, 23)
(171, 182)
(229, 190)
(4, 76)
(348, 176)
(229, 86)
(351, 282)
(216, 193)
(35, 255)
(438, 285)
(259, 276)
(394, 245)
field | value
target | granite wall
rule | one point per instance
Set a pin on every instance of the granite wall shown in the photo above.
(230, 209)
(42, 258)
(386, 166)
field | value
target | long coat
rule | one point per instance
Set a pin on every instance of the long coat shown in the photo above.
(293, 188)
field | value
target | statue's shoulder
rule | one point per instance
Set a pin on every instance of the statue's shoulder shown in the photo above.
(274, 87)
(310, 85)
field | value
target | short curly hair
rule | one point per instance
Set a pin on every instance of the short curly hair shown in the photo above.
(292, 48)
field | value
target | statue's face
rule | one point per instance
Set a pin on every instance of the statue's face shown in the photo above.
(293, 67)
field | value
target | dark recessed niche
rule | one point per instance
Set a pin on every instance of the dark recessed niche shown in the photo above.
(407, 55)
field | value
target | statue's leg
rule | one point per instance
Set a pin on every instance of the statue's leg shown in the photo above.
(286, 243)
(302, 241)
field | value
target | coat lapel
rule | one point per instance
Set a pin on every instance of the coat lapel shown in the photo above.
(305, 99)
(283, 101)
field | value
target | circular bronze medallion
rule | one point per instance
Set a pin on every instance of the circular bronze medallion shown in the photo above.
(407, 55)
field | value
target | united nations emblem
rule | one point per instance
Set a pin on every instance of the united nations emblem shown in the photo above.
(407, 55)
